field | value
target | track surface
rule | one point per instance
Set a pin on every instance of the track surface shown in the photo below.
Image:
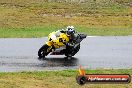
(20, 54)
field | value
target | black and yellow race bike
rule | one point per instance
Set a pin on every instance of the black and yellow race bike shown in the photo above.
(60, 45)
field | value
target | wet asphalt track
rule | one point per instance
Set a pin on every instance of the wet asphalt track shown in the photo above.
(20, 54)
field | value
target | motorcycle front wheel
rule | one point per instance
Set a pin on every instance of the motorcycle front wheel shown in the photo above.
(43, 51)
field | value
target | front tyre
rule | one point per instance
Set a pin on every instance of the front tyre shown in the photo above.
(43, 51)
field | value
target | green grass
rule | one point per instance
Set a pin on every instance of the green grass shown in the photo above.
(26, 32)
(34, 32)
(37, 18)
(56, 79)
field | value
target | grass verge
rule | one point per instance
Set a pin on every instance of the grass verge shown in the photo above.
(34, 32)
(37, 18)
(56, 79)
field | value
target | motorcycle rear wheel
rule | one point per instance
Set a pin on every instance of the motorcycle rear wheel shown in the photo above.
(72, 51)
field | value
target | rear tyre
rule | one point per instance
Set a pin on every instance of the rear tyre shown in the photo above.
(70, 51)
(43, 51)
(76, 49)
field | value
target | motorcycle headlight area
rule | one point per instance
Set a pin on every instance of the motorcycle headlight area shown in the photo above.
(53, 37)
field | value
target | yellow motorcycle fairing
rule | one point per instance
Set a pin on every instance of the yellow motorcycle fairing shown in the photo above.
(59, 41)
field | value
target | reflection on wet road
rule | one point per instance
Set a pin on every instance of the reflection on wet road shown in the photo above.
(17, 54)
(9, 64)
(60, 62)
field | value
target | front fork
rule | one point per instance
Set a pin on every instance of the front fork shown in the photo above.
(49, 43)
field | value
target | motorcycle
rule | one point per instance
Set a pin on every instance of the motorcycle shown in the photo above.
(60, 45)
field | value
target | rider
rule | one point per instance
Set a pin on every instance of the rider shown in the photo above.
(70, 32)
(73, 37)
